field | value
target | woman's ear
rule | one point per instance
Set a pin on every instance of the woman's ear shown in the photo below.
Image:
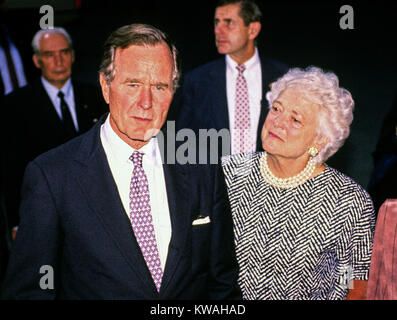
(320, 142)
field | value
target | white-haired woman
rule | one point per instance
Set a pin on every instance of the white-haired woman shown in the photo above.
(303, 230)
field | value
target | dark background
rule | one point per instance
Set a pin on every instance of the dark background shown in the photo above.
(299, 33)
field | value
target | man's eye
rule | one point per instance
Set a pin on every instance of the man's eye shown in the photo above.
(274, 108)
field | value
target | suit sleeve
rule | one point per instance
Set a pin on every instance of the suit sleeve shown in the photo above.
(224, 267)
(32, 269)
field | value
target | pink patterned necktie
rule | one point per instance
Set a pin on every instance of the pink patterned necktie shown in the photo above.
(242, 137)
(141, 219)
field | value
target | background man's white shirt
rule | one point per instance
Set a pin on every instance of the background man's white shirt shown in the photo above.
(253, 76)
(67, 90)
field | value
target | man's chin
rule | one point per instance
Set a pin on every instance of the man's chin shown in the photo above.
(222, 50)
(144, 136)
(58, 81)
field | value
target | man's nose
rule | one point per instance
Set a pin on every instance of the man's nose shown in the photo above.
(145, 99)
(218, 29)
(58, 59)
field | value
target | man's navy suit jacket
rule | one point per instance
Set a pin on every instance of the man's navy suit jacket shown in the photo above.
(31, 126)
(72, 219)
(201, 102)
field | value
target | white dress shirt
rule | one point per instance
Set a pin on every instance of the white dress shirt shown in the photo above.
(67, 90)
(253, 76)
(118, 153)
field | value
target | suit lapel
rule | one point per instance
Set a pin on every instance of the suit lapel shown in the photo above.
(262, 115)
(81, 107)
(47, 108)
(269, 75)
(219, 94)
(99, 186)
(177, 182)
(49, 113)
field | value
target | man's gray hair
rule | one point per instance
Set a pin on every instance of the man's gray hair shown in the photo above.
(39, 34)
(139, 35)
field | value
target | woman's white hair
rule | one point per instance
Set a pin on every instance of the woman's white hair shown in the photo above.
(336, 104)
(41, 33)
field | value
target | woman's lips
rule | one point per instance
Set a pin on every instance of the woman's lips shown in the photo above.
(273, 135)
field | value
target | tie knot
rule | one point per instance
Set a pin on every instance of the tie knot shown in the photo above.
(240, 68)
(136, 158)
(61, 94)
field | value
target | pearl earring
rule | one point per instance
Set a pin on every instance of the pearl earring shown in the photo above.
(313, 151)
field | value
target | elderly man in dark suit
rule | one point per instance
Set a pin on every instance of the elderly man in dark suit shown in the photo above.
(103, 214)
(48, 112)
(229, 93)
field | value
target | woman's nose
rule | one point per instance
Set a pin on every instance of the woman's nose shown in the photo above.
(280, 121)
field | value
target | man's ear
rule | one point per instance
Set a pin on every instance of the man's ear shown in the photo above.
(72, 53)
(36, 61)
(104, 86)
(253, 29)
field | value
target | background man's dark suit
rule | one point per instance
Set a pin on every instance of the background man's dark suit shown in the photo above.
(31, 126)
(382, 184)
(25, 52)
(73, 219)
(201, 102)
(21, 36)
(5, 240)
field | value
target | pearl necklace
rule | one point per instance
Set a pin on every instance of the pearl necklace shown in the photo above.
(290, 182)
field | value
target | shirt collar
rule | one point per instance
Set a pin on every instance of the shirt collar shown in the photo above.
(121, 151)
(250, 63)
(53, 91)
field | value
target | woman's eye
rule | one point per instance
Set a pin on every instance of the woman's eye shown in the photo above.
(297, 121)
